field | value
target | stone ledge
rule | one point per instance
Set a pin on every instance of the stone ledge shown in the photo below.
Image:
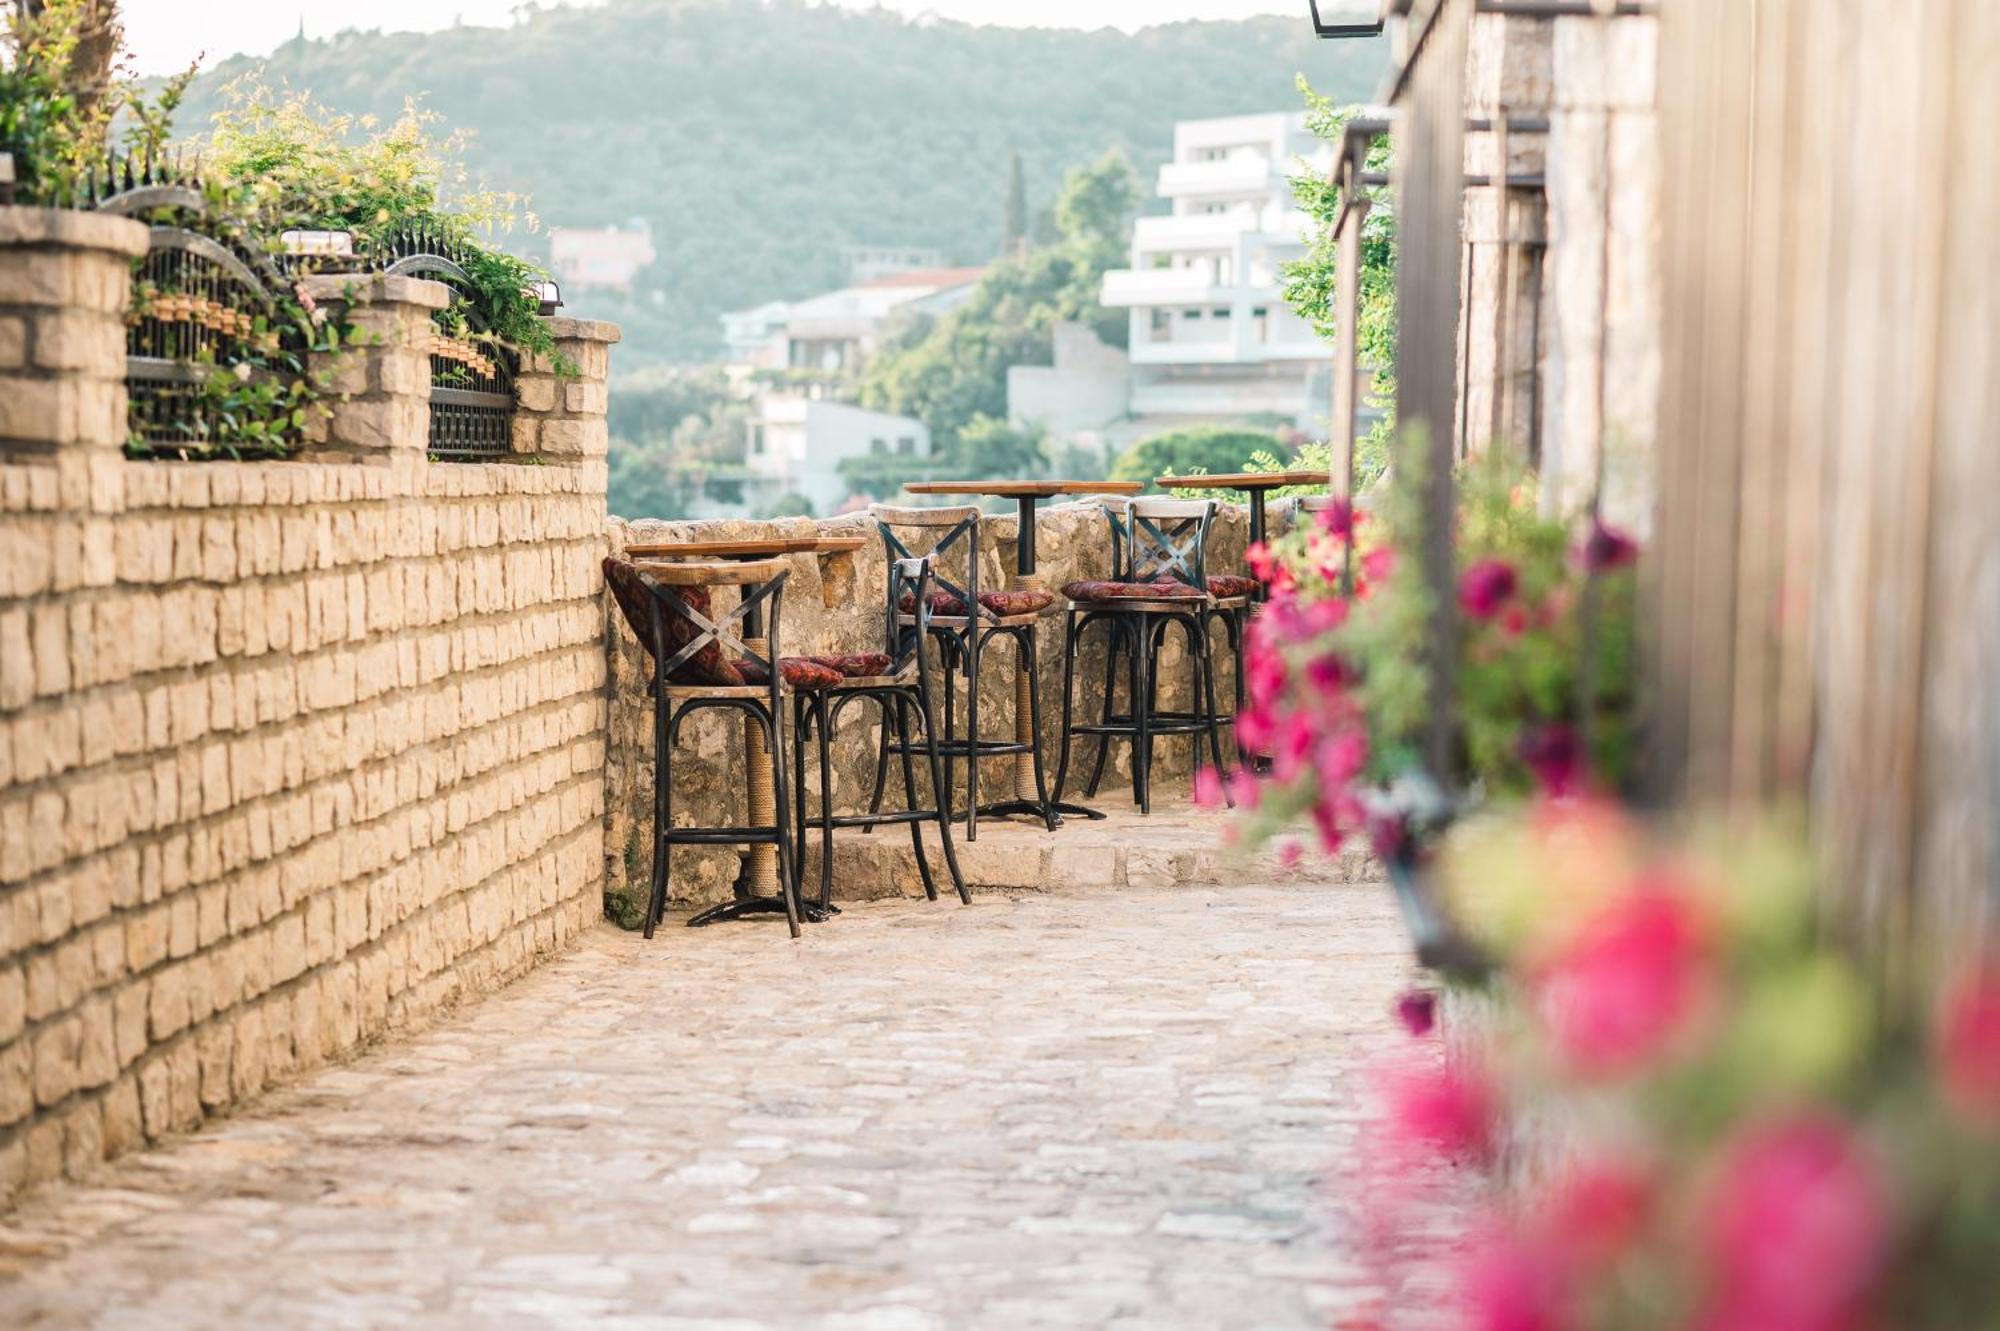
(377, 288)
(71, 228)
(565, 329)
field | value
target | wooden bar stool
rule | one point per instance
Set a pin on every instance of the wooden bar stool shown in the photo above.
(670, 607)
(963, 621)
(1160, 580)
(898, 682)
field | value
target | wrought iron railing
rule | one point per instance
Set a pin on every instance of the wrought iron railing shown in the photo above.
(472, 375)
(204, 301)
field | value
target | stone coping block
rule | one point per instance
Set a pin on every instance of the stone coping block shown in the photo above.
(370, 288)
(71, 228)
(565, 329)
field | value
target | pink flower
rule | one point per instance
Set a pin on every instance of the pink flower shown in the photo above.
(1510, 1285)
(1291, 740)
(1486, 587)
(1338, 519)
(1797, 1230)
(1595, 1213)
(1244, 786)
(1388, 835)
(1968, 1046)
(1448, 1111)
(1514, 621)
(1207, 788)
(1378, 563)
(1555, 755)
(1264, 565)
(1607, 548)
(1416, 1010)
(1621, 989)
(1290, 852)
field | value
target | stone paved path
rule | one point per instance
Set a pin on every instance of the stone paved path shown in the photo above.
(1051, 1110)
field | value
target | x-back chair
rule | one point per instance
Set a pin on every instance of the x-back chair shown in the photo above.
(1160, 579)
(963, 621)
(670, 608)
(897, 680)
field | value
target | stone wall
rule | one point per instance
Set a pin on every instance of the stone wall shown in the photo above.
(836, 604)
(292, 753)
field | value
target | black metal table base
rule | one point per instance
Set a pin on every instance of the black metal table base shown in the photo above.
(744, 907)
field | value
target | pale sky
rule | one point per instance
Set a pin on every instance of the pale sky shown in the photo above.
(165, 35)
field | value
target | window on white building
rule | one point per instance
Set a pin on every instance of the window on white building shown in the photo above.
(878, 446)
(906, 445)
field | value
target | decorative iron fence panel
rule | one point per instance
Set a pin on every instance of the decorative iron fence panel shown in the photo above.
(204, 301)
(472, 376)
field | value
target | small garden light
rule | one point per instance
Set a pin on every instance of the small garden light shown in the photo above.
(548, 296)
(317, 244)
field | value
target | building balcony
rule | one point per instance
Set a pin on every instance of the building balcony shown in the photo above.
(1249, 174)
(1196, 232)
(1126, 287)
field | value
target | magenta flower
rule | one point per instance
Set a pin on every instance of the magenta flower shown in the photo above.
(1486, 587)
(1510, 1285)
(1798, 1229)
(1968, 1046)
(1626, 985)
(1207, 788)
(1263, 564)
(1595, 1213)
(1339, 519)
(1416, 1011)
(1290, 852)
(1607, 548)
(1555, 755)
(1448, 1111)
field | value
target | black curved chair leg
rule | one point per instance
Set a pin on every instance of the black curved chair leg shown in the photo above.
(910, 802)
(788, 867)
(825, 730)
(1031, 662)
(1069, 688)
(663, 813)
(1113, 646)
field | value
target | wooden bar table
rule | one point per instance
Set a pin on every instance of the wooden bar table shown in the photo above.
(1254, 483)
(756, 886)
(1026, 494)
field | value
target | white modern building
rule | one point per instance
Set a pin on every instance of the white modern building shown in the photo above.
(1211, 336)
(797, 444)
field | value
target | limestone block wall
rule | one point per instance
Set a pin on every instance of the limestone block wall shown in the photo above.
(837, 605)
(292, 753)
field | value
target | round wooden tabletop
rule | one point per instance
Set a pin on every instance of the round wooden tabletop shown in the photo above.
(1243, 480)
(1024, 489)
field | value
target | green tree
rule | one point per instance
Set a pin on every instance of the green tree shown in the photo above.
(1196, 450)
(955, 370)
(1014, 213)
(989, 447)
(1312, 281)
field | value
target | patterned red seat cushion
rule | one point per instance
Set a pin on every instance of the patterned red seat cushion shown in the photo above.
(857, 665)
(801, 673)
(1104, 589)
(1228, 585)
(1023, 602)
(640, 603)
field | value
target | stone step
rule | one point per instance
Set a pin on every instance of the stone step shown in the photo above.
(1178, 845)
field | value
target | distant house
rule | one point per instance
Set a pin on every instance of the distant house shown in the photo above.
(1211, 336)
(797, 444)
(600, 258)
(834, 333)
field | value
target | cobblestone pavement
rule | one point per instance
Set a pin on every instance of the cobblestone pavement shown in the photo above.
(1121, 1109)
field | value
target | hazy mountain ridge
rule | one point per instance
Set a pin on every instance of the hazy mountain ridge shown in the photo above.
(759, 136)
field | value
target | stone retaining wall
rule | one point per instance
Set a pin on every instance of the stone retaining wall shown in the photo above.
(836, 604)
(291, 753)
